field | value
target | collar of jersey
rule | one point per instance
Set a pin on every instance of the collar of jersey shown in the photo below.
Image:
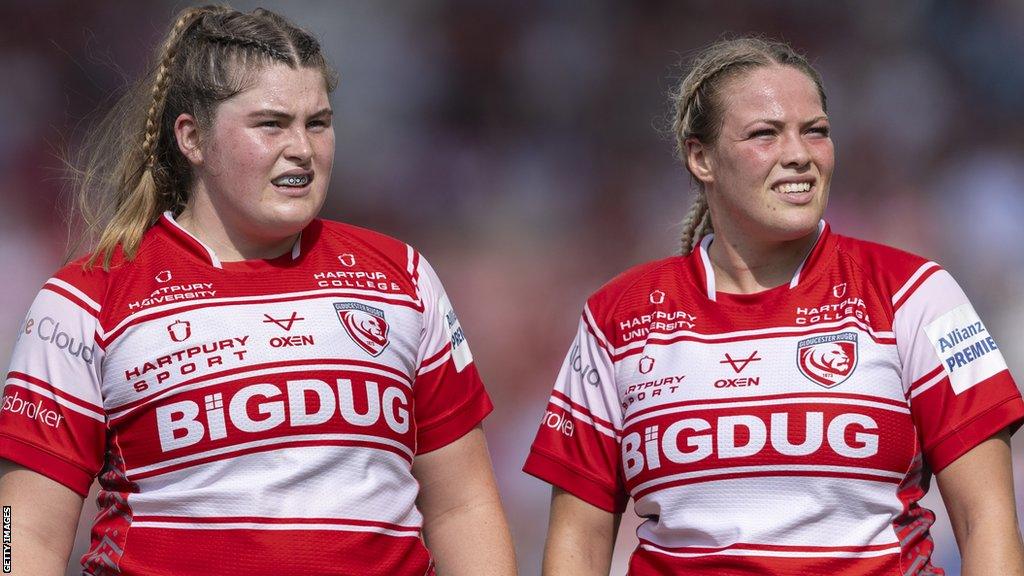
(705, 275)
(193, 246)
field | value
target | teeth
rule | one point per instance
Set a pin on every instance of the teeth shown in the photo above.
(292, 180)
(793, 188)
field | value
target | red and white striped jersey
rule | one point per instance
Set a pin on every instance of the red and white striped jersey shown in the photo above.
(255, 417)
(787, 432)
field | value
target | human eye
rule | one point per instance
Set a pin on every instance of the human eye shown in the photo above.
(822, 131)
(762, 133)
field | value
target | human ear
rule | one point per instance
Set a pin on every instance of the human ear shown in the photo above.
(186, 133)
(698, 161)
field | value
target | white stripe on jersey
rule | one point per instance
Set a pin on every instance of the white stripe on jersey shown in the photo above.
(913, 278)
(922, 388)
(271, 442)
(768, 469)
(755, 552)
(594, 327)
(747, 334)
(15, 381)
(709, 272)
(264, 299)
(120, 411)
(740, 403)
(584, 418)
(78, 293)
(411, 532)
(440, 361)
(790, 511)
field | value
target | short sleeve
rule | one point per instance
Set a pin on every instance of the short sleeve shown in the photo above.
(577, 446)
(449, 397)
(52, 420)
(960, 390)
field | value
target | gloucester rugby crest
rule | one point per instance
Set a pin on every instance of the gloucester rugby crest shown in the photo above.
(828, 360)
(365, 324)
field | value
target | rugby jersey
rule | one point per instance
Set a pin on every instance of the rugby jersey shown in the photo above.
(250, 417)
(791, 431)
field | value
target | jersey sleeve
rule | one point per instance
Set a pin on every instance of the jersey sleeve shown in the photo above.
(960, 390)
(448, 396)
(577, 446)
(52, 420)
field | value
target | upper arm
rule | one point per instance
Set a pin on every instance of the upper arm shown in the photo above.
(978, 487)
(44, 516)
(456, 475)
(581, 537)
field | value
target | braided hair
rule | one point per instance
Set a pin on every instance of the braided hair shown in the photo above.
(698, 106)
(131, 169)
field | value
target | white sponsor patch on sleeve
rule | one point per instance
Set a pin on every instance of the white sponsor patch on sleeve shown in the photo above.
(460, 348)
(966, 349)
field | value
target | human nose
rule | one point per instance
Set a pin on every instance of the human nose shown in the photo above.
(299, 148)
(794, 151)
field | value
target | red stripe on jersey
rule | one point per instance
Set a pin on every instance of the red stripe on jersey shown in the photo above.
(143, 317)
(124, 409)
(646, 562)
(582, 410)
(231, 454)
(444, 350)
(243, 552)
(923, 379)
(53, 466)
(85, 306)
(599, 337)
(825, 440)
(666, 339)
(913, 287)
(723, 403)
(55, 391)
(768, 547)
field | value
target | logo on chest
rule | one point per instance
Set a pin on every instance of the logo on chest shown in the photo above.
(828, 360)
(365, 325)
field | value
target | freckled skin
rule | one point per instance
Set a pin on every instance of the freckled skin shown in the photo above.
(241, 153)
(773, 128)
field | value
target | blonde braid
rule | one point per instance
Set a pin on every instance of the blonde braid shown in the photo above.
(696, 224)
(163, 76)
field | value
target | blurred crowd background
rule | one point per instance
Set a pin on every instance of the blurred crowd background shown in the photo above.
(524, 148)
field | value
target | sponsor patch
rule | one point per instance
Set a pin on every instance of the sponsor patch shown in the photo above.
(828, 360)
(460, 348)
(967, 351)
(365, 325)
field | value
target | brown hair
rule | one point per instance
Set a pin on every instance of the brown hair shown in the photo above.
(698, 105)
(130, 169)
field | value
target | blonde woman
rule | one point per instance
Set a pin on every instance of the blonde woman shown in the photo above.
(776, 399)
(257, 390)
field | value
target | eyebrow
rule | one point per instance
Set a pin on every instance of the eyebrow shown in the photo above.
(779, 123)
(281, 114)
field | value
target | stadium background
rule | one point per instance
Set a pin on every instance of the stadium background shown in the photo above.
(523, 148)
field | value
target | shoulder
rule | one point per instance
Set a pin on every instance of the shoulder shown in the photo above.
(634, 286)
(892, 269)
(344, 235)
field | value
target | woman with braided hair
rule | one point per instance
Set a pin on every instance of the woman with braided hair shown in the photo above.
(258, 391)
(776, 399)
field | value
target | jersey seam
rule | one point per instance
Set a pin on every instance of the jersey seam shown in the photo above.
(958, 429)
(557, 460)
(447, 416)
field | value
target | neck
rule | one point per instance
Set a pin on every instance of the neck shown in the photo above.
(744, 266)
(201, 220)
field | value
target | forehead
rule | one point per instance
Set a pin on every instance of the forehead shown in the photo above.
(771, 93)
(279, 87)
